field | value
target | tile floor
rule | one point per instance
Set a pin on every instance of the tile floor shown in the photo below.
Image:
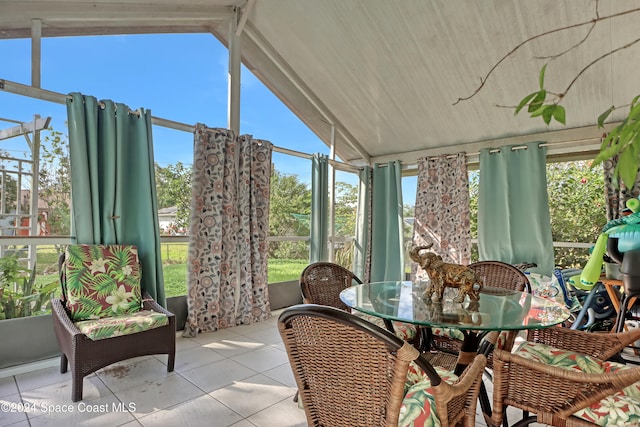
(235, 377)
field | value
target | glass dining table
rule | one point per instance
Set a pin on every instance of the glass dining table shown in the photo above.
(498, 309)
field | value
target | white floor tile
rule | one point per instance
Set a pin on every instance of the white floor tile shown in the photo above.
(59, 395)
(282, 374)
(218, 374)
(283, 414)
(248, 329)
(106, 411)
(130, 373)
(243, 423)
(8, 386)
(42, 377)
(253, 394)
(222, 334)
(202, 411)
(192, 358)
(266, 335)
(262, 359)
(234, 346)
(159, 394)
(12, 410)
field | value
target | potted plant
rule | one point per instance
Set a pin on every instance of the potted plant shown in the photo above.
(25, 324)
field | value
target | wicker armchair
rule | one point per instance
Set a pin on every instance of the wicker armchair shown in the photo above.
(86, 355)
(322, 282)
(580, 387)
(353, 373)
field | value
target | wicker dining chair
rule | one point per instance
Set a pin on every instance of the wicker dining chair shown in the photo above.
(564, 377)
(351, 372)
(322, 282)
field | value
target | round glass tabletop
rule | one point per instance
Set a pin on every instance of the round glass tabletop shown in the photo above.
(497, 309)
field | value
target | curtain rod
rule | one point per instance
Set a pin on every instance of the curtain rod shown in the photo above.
(521, 147)
(59, 98)
(544, 144)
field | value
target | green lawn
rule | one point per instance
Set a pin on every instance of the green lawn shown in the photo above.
(174, 257)
(280, 270)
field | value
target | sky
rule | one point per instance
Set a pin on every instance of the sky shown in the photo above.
(180, 77)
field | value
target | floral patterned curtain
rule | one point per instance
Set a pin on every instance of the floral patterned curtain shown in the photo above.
(227, 263)
(442, 208)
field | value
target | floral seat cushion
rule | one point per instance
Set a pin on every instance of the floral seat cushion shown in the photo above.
(108, 327)
(457, 334)
(418, 406)
(101, 281)
(620, 409)
(448, 332)
(405, 331)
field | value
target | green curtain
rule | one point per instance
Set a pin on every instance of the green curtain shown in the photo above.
(362, 247)
(113, 191)
(514, 223)
(319, 208)
(387, 253)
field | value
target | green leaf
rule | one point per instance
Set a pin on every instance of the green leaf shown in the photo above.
(525, 101)
(538, 101)
(628, 166)
(626, 134)
(559, 114)
(51, 287)
(539, 111)
(634, 113)
(547, 113)
(605, 115)
(605, 154)
(542, 71)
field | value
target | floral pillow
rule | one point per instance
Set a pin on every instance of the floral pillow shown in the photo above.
(102, 281)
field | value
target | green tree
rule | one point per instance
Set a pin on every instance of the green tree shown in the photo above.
(346, 206)
(173, 187)
(54, 181)
(576, 205)
(289, 215)
(8, 190)
(8, 185)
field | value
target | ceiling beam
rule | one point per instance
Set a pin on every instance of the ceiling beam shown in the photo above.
(24, 128)
(65, 11)
(36, 52)
(65, 18)
(582, 142)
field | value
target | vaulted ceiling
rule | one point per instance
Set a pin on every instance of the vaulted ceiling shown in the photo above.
(380, 78)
